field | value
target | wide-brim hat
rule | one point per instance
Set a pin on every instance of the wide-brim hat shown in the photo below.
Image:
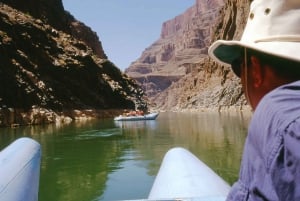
(273, 27)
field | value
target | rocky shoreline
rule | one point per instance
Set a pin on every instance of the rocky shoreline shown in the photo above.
(11, 117)
(231, 109)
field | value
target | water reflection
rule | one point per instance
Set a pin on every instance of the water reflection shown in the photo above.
(97, 160)
(215, 138)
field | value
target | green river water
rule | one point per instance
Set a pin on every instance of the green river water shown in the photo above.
(105, 160)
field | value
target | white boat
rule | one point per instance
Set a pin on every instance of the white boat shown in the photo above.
(151, 116)
(20, 170)
(182, 176)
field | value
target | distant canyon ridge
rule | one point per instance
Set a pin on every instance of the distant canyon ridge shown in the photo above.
(176, 72)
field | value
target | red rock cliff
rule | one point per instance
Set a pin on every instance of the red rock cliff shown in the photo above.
(176, 71)
(184, 41)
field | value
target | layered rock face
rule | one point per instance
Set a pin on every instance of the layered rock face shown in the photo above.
(176, 71)
(183, 43)
(43, 68)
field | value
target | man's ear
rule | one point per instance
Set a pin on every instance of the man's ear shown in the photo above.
(257, 71)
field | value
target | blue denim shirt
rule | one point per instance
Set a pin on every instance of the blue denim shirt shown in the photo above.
(270, 168)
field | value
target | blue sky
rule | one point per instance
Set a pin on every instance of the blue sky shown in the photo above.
(126, 27)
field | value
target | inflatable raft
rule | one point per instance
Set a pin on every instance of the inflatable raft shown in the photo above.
(182, 176)
(20, 171)
(151, 116)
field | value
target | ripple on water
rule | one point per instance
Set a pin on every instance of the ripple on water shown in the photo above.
(103, 133)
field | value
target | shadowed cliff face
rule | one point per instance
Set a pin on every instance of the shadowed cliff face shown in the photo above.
(52, 12)
(180, 57)
(46, 67)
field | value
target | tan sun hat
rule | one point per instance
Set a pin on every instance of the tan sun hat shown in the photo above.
(273, 27)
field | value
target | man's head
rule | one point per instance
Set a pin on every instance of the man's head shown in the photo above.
(268, 54)
(261, 73)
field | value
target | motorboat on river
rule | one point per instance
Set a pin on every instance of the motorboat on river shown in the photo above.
(136, 117)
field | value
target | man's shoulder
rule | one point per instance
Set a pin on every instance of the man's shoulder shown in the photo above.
(282, 103)
(288, 93)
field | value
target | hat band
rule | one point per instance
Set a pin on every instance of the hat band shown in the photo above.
(286, 38)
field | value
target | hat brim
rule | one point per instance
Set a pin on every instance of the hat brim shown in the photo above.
(225, 52)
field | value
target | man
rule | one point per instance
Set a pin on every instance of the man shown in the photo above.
(267, 59)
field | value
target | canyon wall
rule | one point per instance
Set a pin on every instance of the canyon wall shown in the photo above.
(176, 72)
(52, 12)
(183, 43)
(48, 67)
